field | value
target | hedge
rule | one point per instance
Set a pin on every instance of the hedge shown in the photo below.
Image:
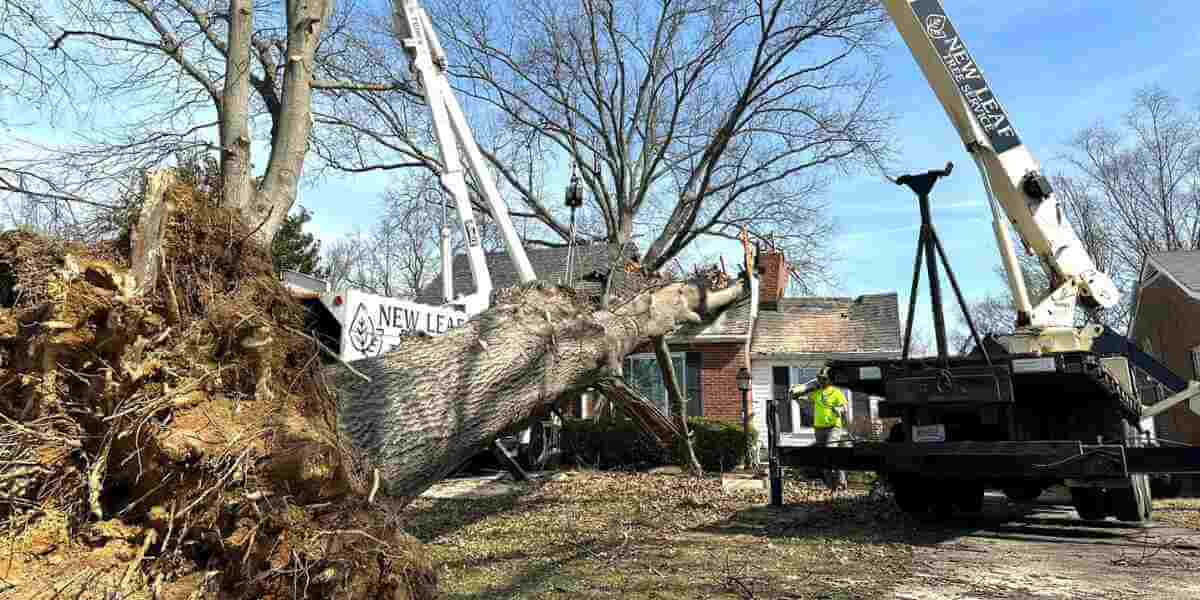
(617, 443)
(719, 445)
(609, 444)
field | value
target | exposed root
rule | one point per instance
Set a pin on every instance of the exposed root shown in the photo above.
(178, 442)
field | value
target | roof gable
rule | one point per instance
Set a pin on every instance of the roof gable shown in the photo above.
(1182, 267)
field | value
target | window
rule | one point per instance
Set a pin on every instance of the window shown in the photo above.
(780, 382)
(692, 386)
(801, 375)
(642, 374)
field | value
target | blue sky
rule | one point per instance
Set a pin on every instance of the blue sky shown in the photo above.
(1057, 67)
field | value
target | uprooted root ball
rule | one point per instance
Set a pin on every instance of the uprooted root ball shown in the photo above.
(181, 441)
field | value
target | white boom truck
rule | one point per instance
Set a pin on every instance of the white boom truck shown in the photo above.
(428, 61)
(371, 324)
(1049, 403)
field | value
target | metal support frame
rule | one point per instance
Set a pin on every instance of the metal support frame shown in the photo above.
(508, 461)
(428, 61)
(927, 245)
(1050, 459)
(775, 470)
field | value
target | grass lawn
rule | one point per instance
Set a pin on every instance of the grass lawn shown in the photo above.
(636, 535)
(1180, 512)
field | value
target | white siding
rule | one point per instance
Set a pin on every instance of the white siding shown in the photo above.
(760, 372)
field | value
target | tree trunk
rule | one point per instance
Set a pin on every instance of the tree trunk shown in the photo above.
(234, 108)
(277, 192)
(432, 403)
(264, 206)
(146, 254)
(678, 406)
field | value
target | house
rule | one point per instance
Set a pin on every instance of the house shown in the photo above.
(707, 357)
(1166, 324)
(793, 337)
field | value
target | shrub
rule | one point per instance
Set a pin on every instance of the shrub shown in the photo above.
(615, 443)
(609, 443)
(719, 445)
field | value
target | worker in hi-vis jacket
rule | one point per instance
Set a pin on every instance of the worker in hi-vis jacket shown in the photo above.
(829, 418)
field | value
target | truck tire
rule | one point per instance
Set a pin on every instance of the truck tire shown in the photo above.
(1089, 503)
(1165, 486)
(910, 493)
(968, 496)
(1023, 493)
(1132, 504)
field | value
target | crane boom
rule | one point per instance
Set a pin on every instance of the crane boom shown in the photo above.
(1010, 173)
(428, 61)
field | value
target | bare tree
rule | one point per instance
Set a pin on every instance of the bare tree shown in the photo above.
(341, 261)
(685, 118)
(198, 74)
(401, 252)
(1143, 177)
(27, 71)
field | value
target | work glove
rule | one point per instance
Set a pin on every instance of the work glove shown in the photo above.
(800, 390)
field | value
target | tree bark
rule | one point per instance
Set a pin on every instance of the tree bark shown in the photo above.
(433, 403)
(277, 193)
(264, 206)
(234, 108)
(678, 406)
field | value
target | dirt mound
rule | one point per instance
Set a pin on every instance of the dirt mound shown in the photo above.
(177, 442)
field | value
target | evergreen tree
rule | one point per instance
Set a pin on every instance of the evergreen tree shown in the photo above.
(293, 249)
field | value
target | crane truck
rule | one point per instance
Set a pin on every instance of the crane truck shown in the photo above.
(370, 324)
(1052, 402)
(362, 325)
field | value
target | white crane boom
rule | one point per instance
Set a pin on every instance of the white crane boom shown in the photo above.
(1010, 173)
(428, 61)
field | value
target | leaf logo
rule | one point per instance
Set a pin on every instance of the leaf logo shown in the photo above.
(363, 336)
(935, 26)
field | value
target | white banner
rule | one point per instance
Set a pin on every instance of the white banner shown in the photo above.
(373, 325)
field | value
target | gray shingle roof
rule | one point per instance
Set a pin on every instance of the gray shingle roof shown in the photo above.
(549, 264)
(1183, 265)
(868, 323)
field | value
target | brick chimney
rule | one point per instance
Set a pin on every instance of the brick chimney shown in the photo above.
(773, 276)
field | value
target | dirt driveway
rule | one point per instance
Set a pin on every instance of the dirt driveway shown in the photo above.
(1044, 551)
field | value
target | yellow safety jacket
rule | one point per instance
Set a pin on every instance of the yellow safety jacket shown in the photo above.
(827, 403)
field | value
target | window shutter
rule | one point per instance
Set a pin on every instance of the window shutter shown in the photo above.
(692, 385)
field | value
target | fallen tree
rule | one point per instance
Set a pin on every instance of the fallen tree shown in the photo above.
(421, 410)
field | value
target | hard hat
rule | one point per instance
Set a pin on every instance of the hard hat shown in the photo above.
(823, 374)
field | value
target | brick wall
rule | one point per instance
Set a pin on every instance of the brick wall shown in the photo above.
(718, 378)
(1168, 327)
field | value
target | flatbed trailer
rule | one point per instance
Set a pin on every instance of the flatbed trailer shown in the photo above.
(1015, 422)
